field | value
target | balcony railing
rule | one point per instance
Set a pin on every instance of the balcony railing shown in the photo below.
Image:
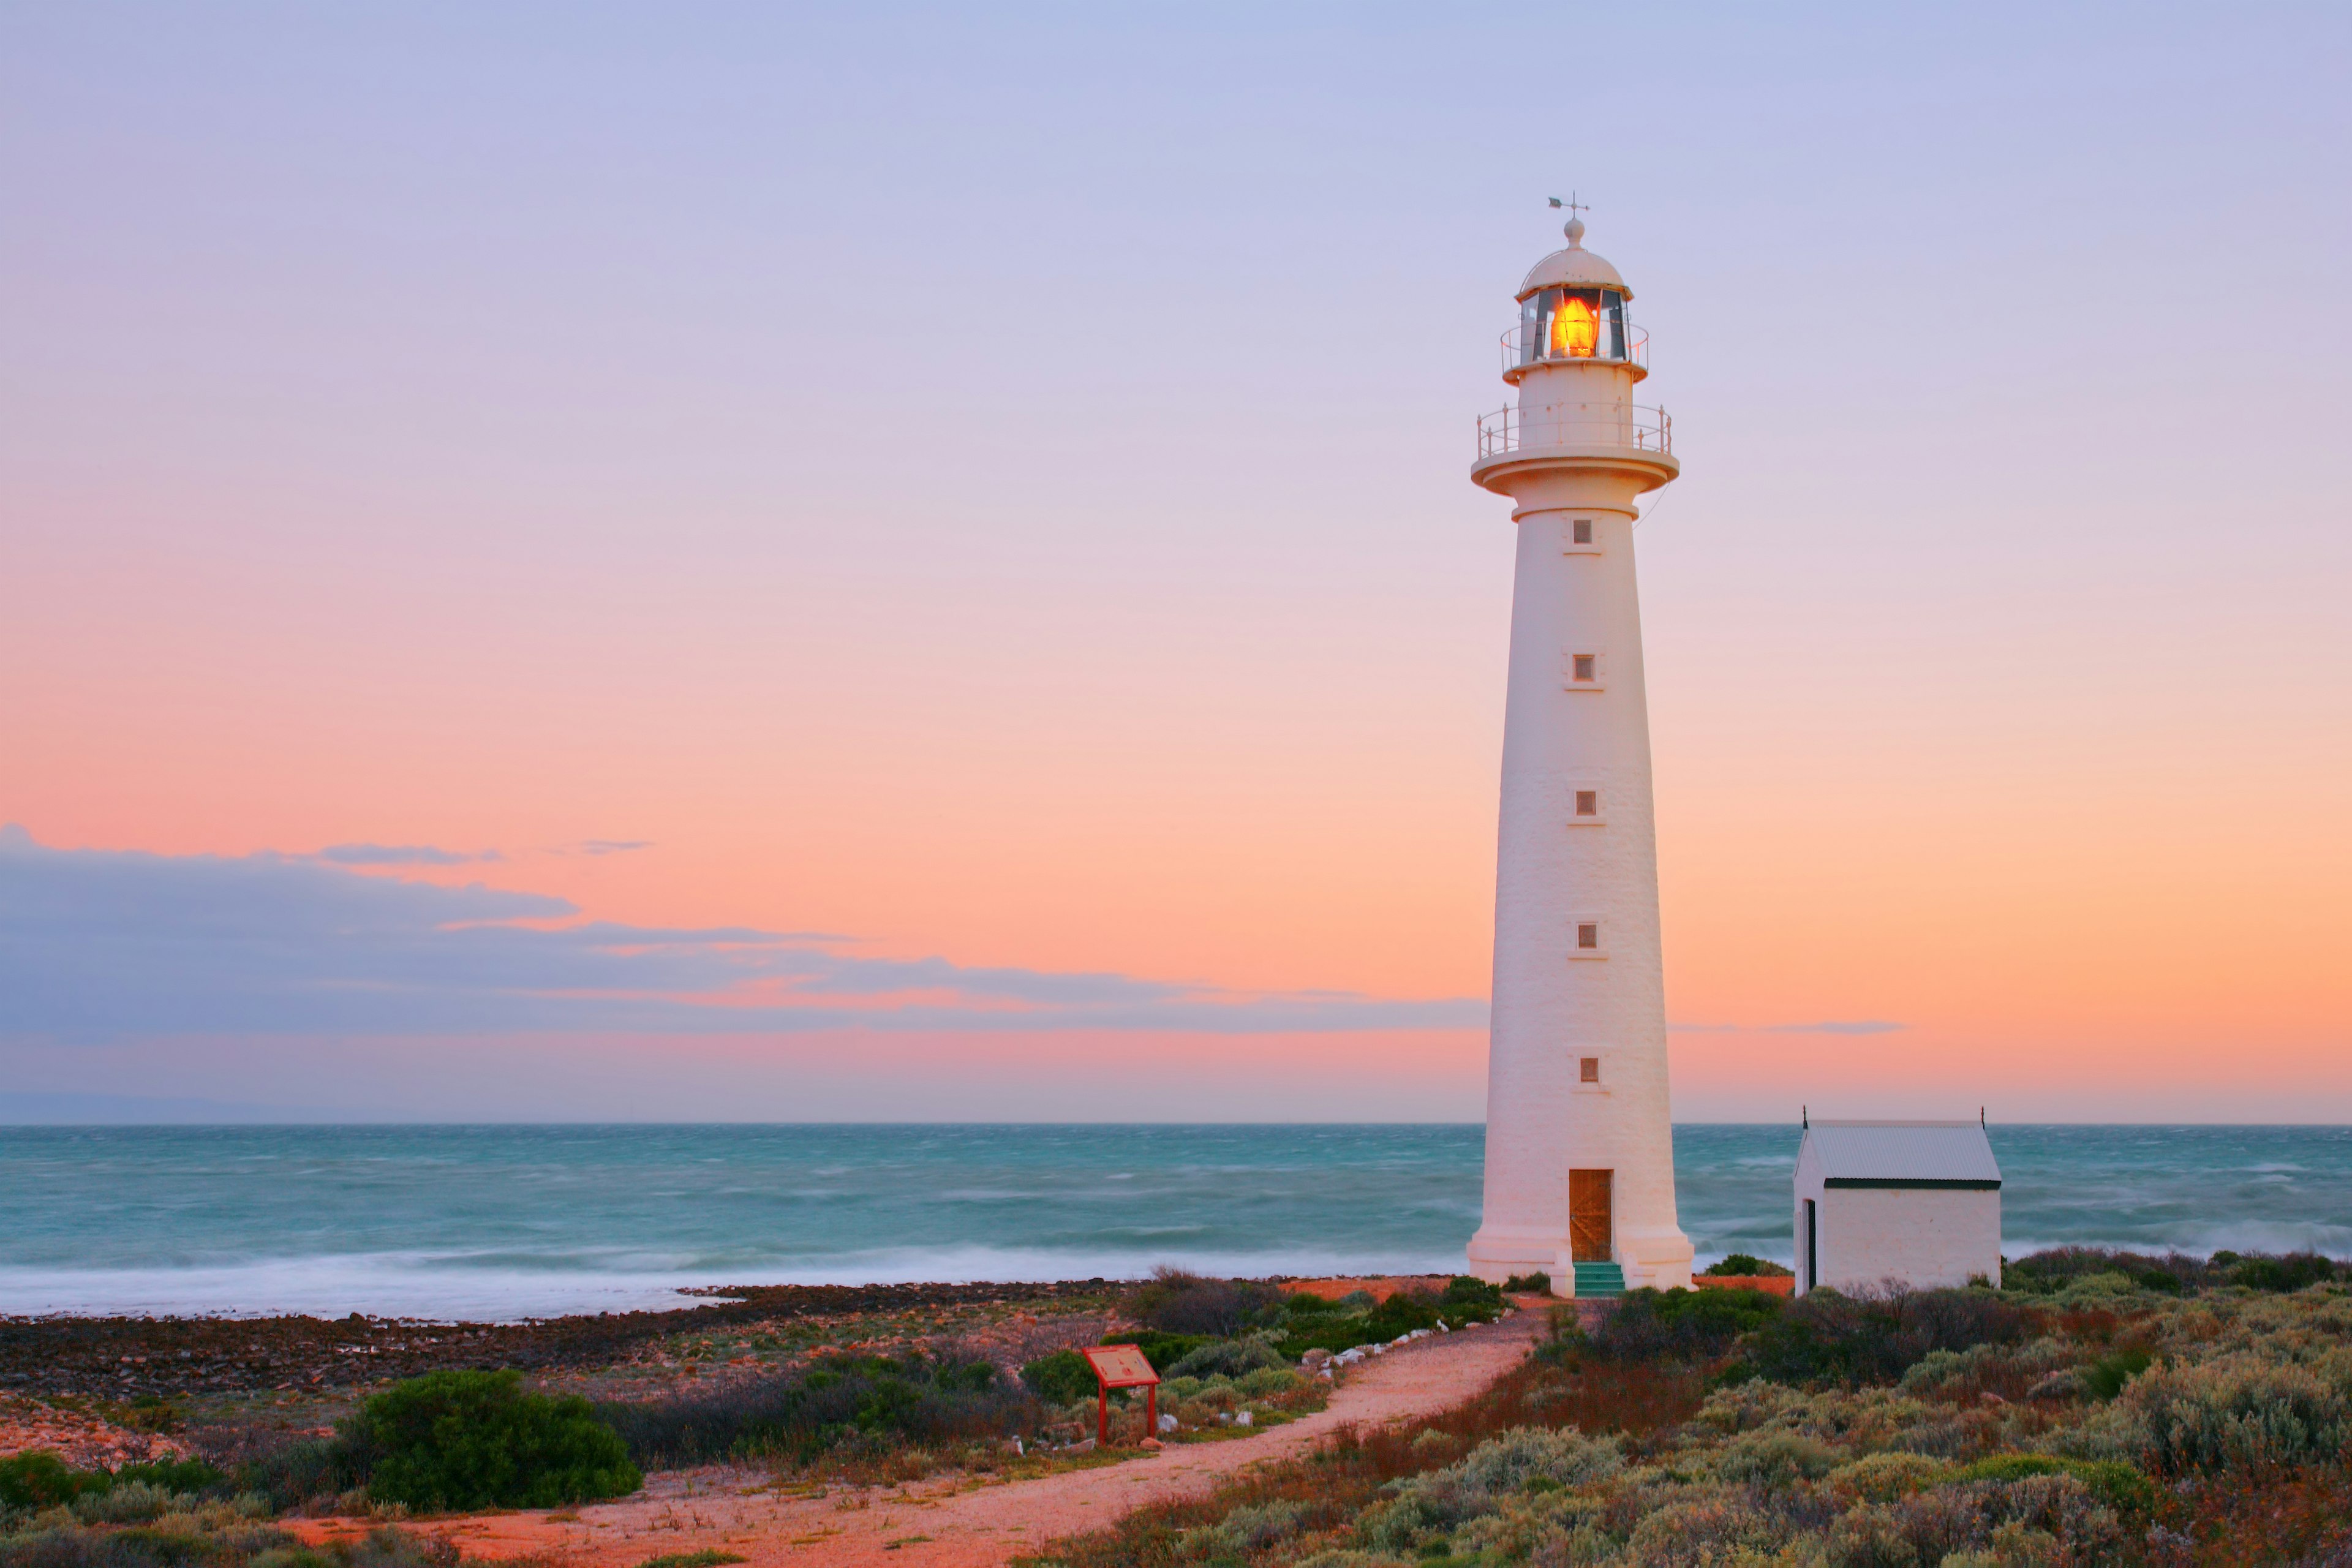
(1528, 343)
(1635, 426)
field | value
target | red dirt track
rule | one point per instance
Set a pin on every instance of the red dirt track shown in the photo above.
(953, 1523)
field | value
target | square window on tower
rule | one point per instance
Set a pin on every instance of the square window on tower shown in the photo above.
(1587, 936)
(1588, 802)
(1582, 531)
(1588, 1070)
(1585, 669)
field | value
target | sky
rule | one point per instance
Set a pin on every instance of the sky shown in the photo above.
(794, 563)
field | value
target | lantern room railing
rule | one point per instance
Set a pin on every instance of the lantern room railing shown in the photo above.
(1635, 426)
(1527, 344)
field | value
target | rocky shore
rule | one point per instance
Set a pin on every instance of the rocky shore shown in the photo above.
(121, 1360)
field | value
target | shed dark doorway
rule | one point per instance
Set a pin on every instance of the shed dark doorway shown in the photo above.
(1812, 1245)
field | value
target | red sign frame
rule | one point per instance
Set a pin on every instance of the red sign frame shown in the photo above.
(1123, 1366)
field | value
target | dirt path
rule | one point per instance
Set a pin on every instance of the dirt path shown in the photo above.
(937, 1525)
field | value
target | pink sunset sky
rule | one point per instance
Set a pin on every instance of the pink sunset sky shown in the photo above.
(792, 564)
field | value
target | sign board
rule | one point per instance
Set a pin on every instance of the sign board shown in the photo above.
(1120, 1366)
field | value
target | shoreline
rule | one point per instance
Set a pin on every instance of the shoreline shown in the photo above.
(123, 1357)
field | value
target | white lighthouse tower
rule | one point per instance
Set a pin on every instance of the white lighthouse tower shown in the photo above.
(1579, 1140)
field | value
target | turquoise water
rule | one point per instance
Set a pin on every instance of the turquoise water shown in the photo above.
(501, 1222)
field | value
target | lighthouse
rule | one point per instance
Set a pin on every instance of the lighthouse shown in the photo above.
(1579, 1137)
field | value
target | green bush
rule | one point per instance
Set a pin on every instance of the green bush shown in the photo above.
(41, 1479)
(842, 1405)
(454, 1440)
(2292, 1272)
(2239, 1412)
(174, 1476)
(1745, 1265)
(1649, 1324)
(1229, 1358)
(1537, 1284)
(1162, 1351)
(1177, 1301)
(2105, 1378)
(1063, 1378)
(1400, 1314)
(2116, 1484)
(1466, 1290)
(1824, 1337)
(1307, 1304)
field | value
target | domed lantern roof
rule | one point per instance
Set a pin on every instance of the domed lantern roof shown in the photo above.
(1573, 309)
(1574, 268)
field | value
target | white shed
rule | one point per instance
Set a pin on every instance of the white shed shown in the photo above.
(1909, 1203)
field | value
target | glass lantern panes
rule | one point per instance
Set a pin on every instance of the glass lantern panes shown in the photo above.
(1572, 323)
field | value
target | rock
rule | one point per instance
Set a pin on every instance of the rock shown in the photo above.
(1167, 1423)
(1242, 1419)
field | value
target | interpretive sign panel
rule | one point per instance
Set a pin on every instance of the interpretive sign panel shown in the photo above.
(1120, 1366)
(1123, 1366)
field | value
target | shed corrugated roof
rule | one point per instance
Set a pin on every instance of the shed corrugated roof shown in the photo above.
(1902, 1150)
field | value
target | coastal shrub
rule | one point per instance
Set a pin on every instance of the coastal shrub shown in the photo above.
(2051, 1270)
(1691, 1324)
(1229, 1358)
(842, 1406)
(290, 1473)
(1882, 1478)
(709, 1557)
(2292, 1272)
(1825, 1337)
(175, 1476)
(1267, 1380)
(215, 1535)
(1177, 1301)
(454, 1440)
(125, 1503)
(1518, 1460)
(1402, 1314)
(2117, 1485)
(2238, 1412)
(1467, 1291)
(40, 1480)
(1063, 1378)
(1248, 1531)
(2105, 1378)
(1162, 1351)
(1307, 1304)
(1536, 1284)
(1744, 1266)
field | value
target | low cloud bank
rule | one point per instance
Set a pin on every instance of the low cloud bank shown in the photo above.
(98, 945)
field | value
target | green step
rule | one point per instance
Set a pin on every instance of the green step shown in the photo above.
(1599, 1279)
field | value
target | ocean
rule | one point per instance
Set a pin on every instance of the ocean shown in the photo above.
(501, 1223)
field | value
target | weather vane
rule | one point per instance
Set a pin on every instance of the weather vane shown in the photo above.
(1573, 205)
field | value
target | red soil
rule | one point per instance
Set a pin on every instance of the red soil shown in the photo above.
(81, 1440)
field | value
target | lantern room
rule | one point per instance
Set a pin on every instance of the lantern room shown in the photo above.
(1572, 310)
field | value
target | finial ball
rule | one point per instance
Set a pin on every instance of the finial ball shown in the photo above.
(1575, 231)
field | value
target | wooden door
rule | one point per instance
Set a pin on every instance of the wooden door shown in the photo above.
(1589, 1228)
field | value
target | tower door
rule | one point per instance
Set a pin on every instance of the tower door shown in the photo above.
(1588, 1227)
